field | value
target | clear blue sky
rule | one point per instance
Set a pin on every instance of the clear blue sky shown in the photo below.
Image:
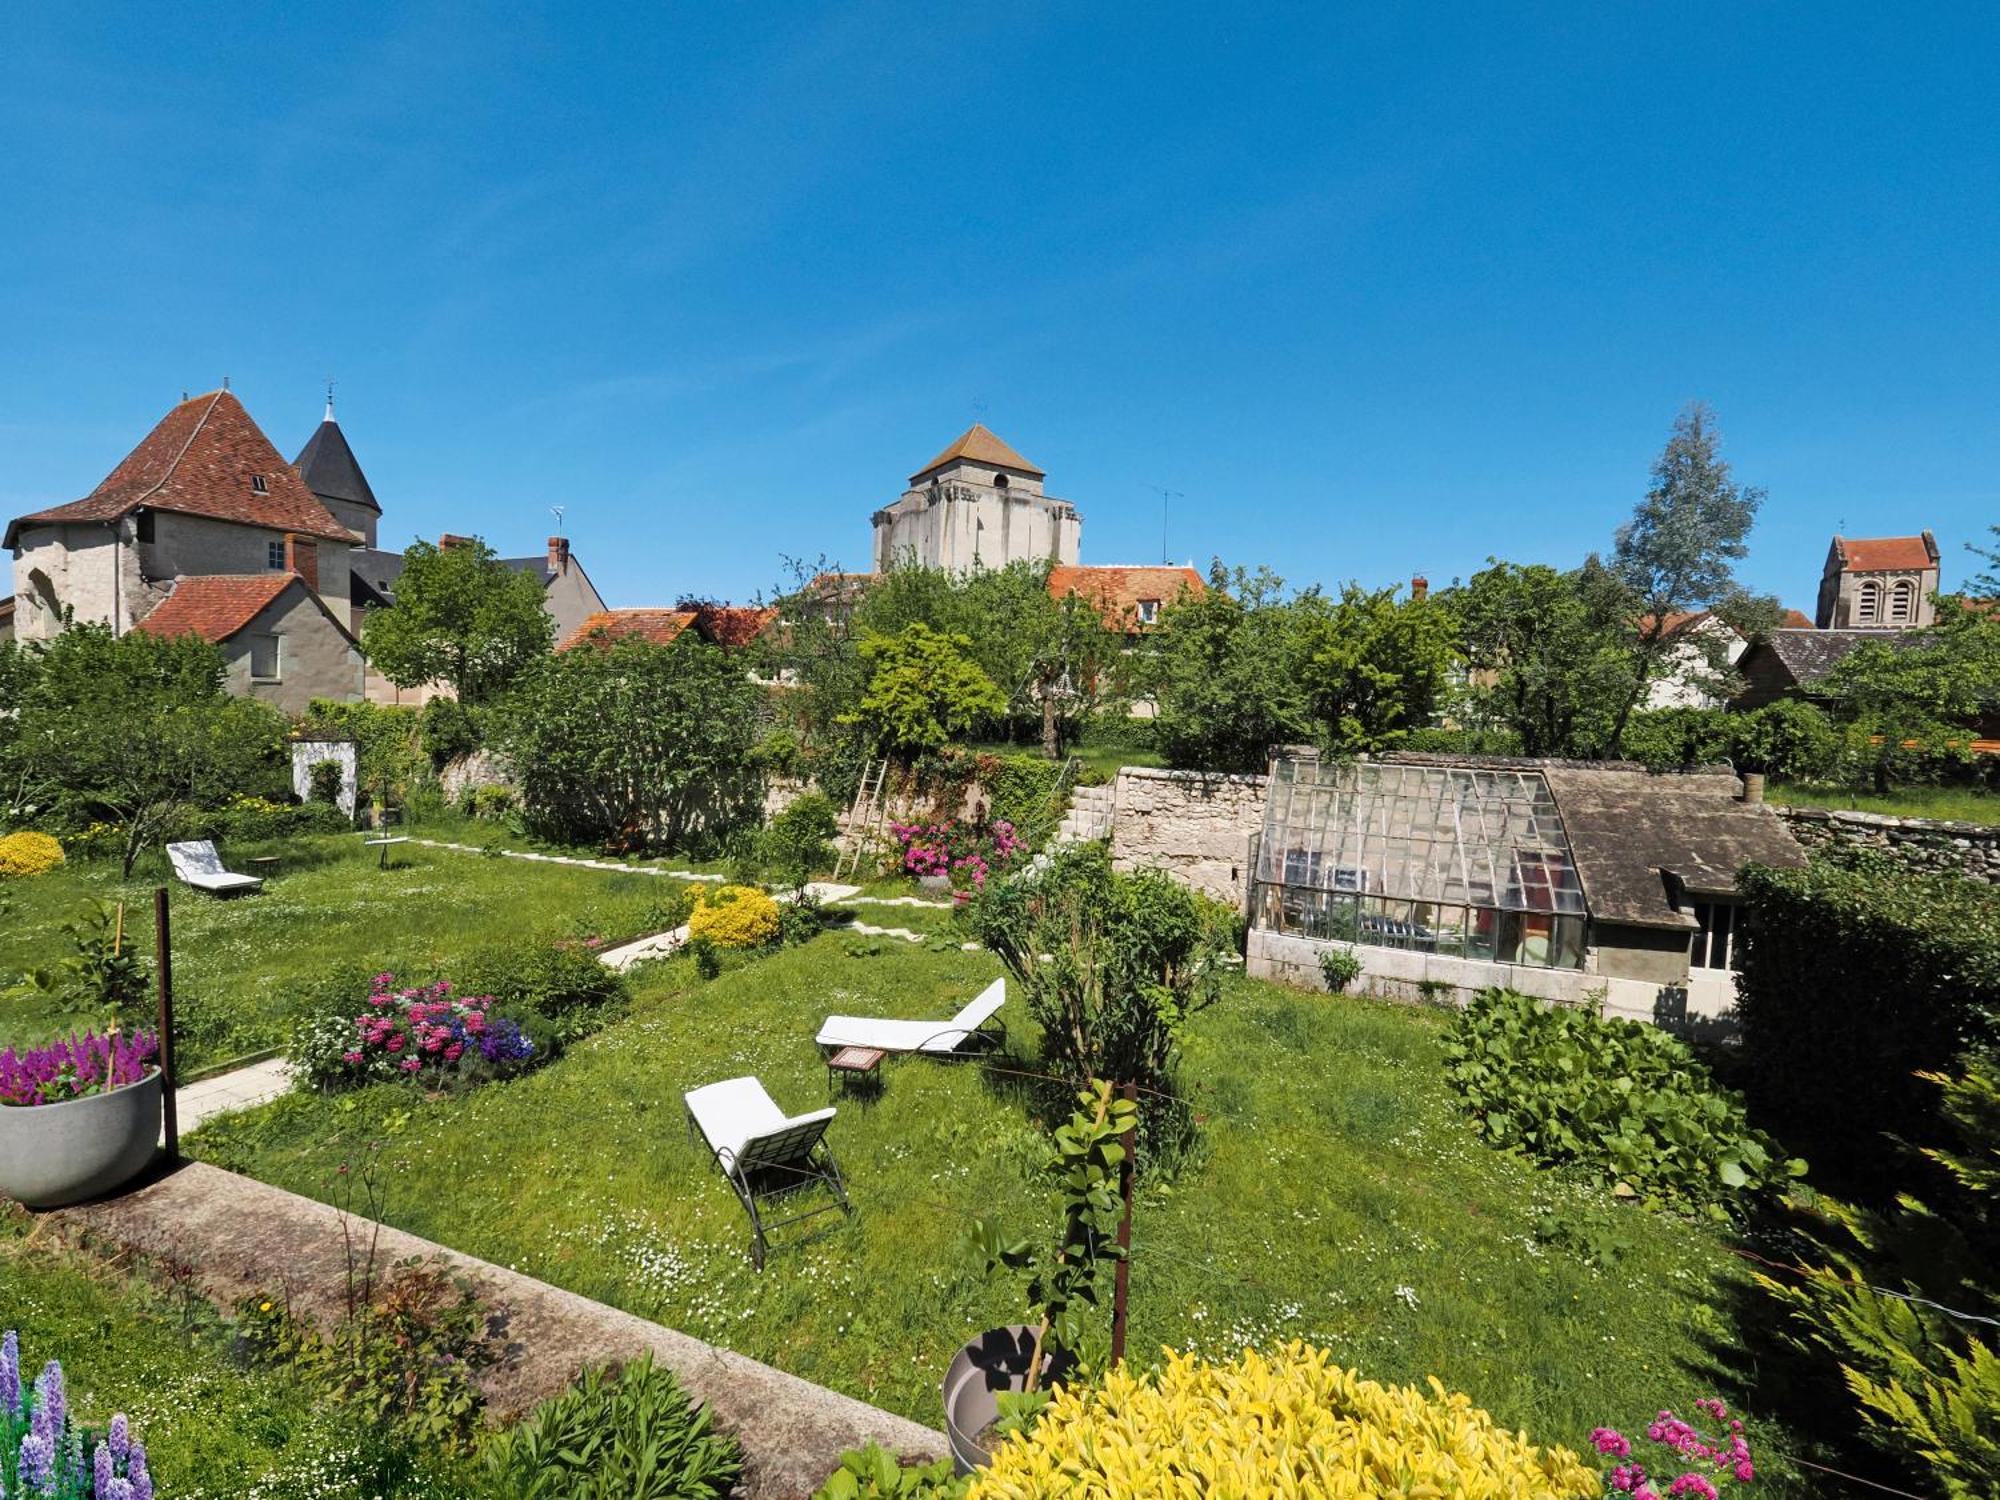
(1379, 289)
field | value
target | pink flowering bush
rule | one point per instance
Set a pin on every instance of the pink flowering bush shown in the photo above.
(1707, 1464)
(425, 1034)
(964, 853)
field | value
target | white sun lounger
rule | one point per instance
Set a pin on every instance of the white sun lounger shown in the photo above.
(763, 1152)
(932, 1038)
(197, 864)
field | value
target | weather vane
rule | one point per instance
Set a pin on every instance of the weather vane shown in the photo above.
(557, 512)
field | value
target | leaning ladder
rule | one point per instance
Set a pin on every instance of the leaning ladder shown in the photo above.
(864, 817)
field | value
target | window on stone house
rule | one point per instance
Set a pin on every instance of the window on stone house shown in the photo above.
(1149, 611)
(1903, 602)
(274, 555)
(265, 659)
(1714, 945)
(1868, 604)
(259, 485)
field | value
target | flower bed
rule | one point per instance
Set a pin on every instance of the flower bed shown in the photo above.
(75, 1067)
(44, 1453)
(964, 853)
(29, 853)
(430, 1035)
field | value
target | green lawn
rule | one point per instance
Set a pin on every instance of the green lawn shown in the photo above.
(211, 1428)
(1960, 804)
(1337, 1196)
(238, 963)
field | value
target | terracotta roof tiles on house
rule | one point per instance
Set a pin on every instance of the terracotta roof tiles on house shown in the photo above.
(1119, 591)
(980, 445)
(1887, 554)
(215, 606)
(660, 626)
(206, 457)
(733, 624)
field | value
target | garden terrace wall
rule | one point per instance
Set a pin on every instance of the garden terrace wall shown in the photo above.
(1930, 845)
(1198, 826)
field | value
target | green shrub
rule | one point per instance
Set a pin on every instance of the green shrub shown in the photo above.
(1340, 967)
(798, 843)
(388, 758)
(323, 778)
(488, 802)
(1668, 739)
(874, 1473)
(1621, 1100)
(246, 819)
(1789, 740)
(800, 920)
(105, 973)
(616, 1435)
(1855, 980)
(446, 729)
(564, 983)
(1021, 791)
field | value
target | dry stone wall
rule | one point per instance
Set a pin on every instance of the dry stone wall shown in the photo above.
(1930, 845)
(1195, 825)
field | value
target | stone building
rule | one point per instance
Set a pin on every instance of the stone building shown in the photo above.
(279, 640)
(978, 504)
(1879, 583)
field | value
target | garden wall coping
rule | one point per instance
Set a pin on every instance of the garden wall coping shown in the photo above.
(242, 1236)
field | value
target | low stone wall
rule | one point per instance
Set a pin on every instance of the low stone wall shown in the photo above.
(241, 1236)
(1195, 825)
(1931, 845)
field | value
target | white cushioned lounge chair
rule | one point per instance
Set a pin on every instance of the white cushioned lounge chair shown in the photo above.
(764, 1153)
(197, 864)
(963, 1033)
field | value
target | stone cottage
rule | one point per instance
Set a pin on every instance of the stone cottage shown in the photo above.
(279, 640)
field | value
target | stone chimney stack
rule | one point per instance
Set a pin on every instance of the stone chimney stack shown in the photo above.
(302, 558)
(451, 539)
(1420, 587)
(558, 555)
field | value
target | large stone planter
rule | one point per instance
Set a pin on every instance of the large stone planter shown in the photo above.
(996, 1361)
(54, 1154)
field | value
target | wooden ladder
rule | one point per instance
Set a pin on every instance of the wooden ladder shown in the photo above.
(864, 818)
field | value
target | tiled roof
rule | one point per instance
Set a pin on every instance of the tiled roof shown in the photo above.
(1117, 591)
(215, 606)
(329, 467)
(1792, 619)
(659, 626)
(1808, 655)
(200, 461)
(1678, 624)
(1886, 554)
(978, 444)
(732, 624)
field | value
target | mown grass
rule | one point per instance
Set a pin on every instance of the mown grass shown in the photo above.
(1336, 1195)
(240, 964)
(1958, 804)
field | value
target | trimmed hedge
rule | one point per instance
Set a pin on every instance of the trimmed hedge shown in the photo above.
(1853, 981)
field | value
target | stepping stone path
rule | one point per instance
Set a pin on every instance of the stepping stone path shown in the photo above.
(612, 865)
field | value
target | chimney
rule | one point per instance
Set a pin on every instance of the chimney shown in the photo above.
(1420, 587)
(302, 558)
(450, 540)
(558, 555)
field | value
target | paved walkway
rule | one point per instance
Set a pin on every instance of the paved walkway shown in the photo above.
(612, 865)
(256, 1084)
(242, 1236)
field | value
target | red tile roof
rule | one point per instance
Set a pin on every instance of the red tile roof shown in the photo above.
(979, 444)
(732, 624)
(1118, 592)
(659, 626)
(215, 606)
(1886, 554)
(200, 460)
(1792, 619)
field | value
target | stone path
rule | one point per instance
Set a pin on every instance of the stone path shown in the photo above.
(612, 865)
(257, 1084)
(240, 1236)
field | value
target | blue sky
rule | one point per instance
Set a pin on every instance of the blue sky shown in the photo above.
(1377, 290)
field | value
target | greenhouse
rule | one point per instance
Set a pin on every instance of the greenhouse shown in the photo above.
(1460, 861)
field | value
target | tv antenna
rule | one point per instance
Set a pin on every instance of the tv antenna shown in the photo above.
(557, 512)
(1166, 496)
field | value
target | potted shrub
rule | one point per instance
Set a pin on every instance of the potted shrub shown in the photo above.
(78, 1118)
(1021, 1360)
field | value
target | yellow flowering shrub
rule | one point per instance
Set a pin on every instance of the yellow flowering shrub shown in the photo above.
(735, 916)
(29, 854)
(1287, 1426)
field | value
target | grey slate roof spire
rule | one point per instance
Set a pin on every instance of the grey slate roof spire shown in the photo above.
(328, 465)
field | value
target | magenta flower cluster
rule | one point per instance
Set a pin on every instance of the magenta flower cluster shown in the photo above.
(75, 1067)
(42, 1450)
(964, 853)
(1706, 1463)
(427, 1031)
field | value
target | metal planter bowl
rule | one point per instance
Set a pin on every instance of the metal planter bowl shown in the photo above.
(56, 1154)
(996, 1361)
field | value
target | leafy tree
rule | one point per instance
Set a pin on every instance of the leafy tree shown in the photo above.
(1986, 583)
(1549, 654)
(1373, 667)
(128, 730)
(1677, 556)
(633, 744)
(1906, 702)
(798, 842)
(1072, 668)
(1221, 669)
(924, 689)
(461, 617)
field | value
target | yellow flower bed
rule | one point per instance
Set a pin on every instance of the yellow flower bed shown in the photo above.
(1289, 1426)
(29, 854)
(734, 916)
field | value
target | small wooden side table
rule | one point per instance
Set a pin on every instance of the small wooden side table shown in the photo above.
(384, 845)
(850, 1063)
(267, 864)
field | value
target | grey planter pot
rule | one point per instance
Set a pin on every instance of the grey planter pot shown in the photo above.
(996, 1361)
(55, 1154)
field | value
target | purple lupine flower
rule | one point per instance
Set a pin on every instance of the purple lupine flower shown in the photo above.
(135, 1473)
(37, 1470)
(119, 1438)
(10, 1375)
(101, 1471)
(51, 1405)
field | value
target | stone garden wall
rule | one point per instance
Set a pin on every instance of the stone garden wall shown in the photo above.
(1927, 844)
(1194, 824)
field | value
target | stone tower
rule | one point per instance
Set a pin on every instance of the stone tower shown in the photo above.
(978, 504)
